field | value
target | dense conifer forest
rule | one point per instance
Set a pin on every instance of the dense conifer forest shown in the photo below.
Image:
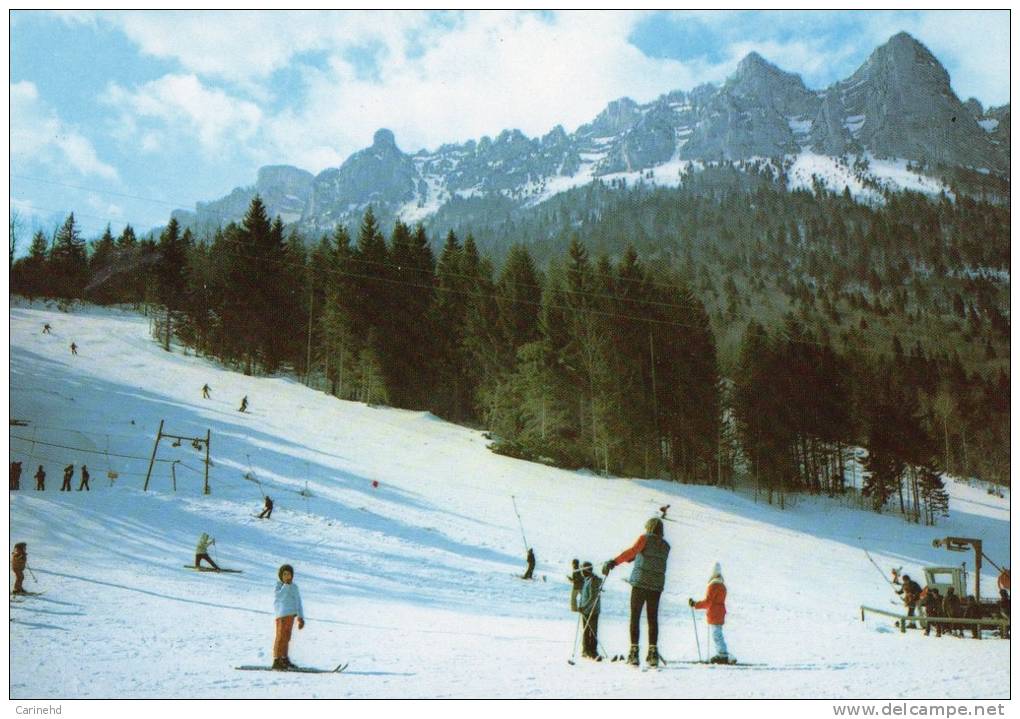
(731, 332)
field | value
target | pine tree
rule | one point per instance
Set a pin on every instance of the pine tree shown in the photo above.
(68, 261)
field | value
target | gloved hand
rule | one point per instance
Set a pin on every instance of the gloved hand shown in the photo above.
(690, 602)
(608, 567)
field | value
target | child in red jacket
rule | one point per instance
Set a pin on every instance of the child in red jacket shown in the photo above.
(715, 603)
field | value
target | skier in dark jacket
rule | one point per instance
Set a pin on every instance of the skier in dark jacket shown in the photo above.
(84, 479)
(1004, 611)
(951, 609)
(531, 564)
(244, 404)
(588, 606)
(74, 348)
(68, 475)
(40, 479)
(647, 581)
(932, 603)
(46, 328)
(19, 560)
(576, 579)
(205, 391)
(911, 593)
(15, 475)
(267, 510)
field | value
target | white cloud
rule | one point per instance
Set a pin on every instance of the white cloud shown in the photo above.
(181, 103)
(493, 71)
(38, 134)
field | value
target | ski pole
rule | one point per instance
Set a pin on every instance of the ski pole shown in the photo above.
(697, 639)
(514, 500)
(32, 573)
(577, 633)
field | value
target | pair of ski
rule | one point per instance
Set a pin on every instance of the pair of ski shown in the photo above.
(221, 570)
(302, 670)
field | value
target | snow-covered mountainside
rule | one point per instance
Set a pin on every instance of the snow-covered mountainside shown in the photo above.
(412, 581)
(898, 107)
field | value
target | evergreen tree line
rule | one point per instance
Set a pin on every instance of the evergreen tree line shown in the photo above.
(602, 363)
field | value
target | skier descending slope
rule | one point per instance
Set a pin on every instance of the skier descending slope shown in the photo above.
(715, 603)
(647, 580)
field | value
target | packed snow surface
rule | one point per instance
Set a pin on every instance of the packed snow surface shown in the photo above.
(414, 581)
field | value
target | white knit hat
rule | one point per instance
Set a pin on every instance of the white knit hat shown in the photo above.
(717, 570)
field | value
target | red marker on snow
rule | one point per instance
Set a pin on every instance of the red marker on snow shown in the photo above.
(375, 484)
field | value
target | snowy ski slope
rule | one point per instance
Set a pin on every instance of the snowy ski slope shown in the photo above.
(412, 582)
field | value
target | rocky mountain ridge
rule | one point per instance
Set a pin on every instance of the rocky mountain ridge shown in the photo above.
(899, 104)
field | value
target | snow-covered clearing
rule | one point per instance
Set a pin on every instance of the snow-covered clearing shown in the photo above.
(413, 582)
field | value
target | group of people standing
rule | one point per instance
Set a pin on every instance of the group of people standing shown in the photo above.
(40, 478)
(948, 606)
(647, 580)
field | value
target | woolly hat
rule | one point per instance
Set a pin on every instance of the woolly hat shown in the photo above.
(717, 570)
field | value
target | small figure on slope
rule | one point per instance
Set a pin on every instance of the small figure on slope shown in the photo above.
(74, 348)
(46, 328)
(951, 609)
(15, 476)
(19, 560)
(205, 391)
(68, 475)
(911, 593)
(932, 603)
(589, 606)
(267, 510)
(202, 551)
(663, 510)
(84, 479)
(715, 603)
(244, 404)
(286, 608)
(531, 564)
(40, 479)
(647, 581)
(576, 579)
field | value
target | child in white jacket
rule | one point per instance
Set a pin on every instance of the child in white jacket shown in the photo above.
(287, 607)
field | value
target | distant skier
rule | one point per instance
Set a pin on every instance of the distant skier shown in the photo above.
(202, 551)
(715, 603)
(576, 579)
(68, 475)
(74, 348)
(1004, 603)
(951, 609)
(663, 510)
(932, 604)
(244, 404)
(267, 510)
(15, 476)
(205, 391)
(531, 564)
(40, 479)
(589, 606)
(46, 328)
(19, 560)
(649, 554)
(84, 479)
(972, 610)
(286, 607)
(911, 593)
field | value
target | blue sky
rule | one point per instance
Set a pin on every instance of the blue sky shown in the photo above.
(124, 116)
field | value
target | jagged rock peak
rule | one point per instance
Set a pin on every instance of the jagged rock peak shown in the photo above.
(902, 49)
(384, 138)
(753, 61)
